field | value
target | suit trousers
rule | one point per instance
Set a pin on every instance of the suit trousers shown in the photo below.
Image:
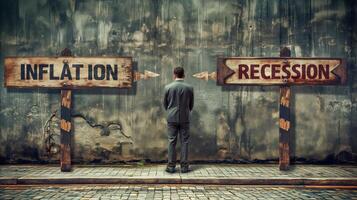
(175, 130)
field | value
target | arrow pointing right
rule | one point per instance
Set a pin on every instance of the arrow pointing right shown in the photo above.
(223, 72)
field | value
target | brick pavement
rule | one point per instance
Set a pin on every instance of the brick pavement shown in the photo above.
(209, 174)
(171, 192)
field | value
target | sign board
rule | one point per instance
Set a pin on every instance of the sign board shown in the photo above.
(68, 72)
(280, 71)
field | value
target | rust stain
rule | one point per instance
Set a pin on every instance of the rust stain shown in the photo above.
(284, 124)
(65, 125)
(66, 99)
(285, 96)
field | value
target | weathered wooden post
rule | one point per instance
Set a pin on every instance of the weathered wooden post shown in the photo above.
(66, 122)
(284, 120)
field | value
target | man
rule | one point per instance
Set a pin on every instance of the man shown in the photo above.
(178, 102)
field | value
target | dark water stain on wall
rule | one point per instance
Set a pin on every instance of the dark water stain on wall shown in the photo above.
(238, 123)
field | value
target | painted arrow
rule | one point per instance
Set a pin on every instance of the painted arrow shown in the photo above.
(144, 76)
(206, 75)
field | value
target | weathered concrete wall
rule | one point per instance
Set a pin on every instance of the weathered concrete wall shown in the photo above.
(237, 122)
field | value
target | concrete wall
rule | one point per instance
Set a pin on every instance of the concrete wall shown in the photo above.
(229, 123)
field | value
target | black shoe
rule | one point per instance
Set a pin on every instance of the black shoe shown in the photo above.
(184, 169)
(170, 169)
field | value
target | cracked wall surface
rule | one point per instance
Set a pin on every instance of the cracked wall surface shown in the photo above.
(234, 123)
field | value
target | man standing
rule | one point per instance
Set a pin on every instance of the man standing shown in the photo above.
(178, 102)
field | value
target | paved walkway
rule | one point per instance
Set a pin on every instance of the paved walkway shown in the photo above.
(200, 174)
(141, 192)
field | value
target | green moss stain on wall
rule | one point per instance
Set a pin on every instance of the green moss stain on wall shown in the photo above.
(229, 123)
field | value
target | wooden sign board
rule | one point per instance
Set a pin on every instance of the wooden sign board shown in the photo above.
(68, 72)
(281, 71)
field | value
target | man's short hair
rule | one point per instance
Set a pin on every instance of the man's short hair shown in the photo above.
(179, 72)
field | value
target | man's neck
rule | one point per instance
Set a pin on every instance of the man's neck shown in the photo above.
(178, 79)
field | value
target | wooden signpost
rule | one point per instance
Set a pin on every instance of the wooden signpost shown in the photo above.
(66, 73)
(283, 71)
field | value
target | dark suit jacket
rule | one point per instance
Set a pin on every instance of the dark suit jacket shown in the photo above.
(178, 101)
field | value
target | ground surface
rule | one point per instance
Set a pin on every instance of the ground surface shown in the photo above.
(213, 170)
(172, 192)
(215, 181)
